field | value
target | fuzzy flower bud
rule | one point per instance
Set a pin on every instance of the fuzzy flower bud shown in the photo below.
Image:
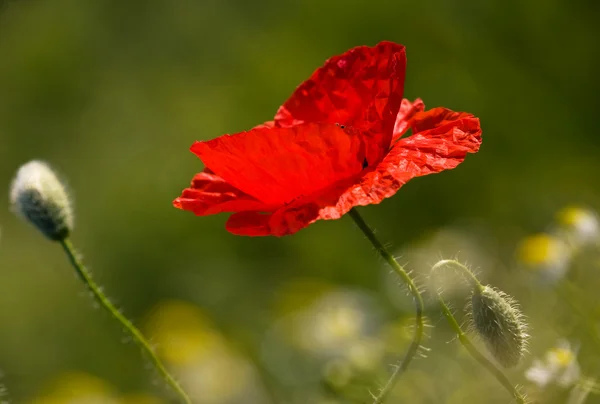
(38, 196)
(496, 318)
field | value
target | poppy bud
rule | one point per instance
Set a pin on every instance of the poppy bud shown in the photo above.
(495, 317)
(38, 196)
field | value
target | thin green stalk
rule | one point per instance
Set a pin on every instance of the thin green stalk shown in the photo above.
(465, 341)
(419, 323)
(582, 390)
(129, 328)
(465, 271)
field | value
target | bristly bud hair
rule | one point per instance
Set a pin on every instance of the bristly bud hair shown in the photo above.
(38, 196)
(496, 318)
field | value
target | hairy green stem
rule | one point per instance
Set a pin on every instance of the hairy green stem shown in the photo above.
(465, 341)
(127, 325)
(418, 300)
(465, 271)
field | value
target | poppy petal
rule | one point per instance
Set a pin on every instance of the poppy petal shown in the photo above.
(286, 220)
(249, 224)
(291, 218)
(441, 140)
(210, 194)
(361, 88)
(278, 165)
(405, 114)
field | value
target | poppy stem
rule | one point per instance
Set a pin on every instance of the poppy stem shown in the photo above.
(127, 325)
(418, 300)
(465, 271)
(465, 341)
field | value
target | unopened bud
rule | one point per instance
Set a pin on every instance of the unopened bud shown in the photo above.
(498, 321)
(38, 196)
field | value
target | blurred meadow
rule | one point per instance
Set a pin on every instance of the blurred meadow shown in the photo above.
(113, 93)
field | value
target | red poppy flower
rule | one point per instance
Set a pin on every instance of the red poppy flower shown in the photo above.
(336, 143)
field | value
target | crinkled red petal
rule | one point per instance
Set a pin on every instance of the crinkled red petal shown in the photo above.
(361, 88)
(405, 114)
(440, 119)
(279, 165)
(441, 141)
(210, 194)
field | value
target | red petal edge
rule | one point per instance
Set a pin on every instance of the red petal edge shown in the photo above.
(405, 114)
(210, 194)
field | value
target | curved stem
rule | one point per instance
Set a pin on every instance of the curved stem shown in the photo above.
(127, 325)
(465, 271)
(419, 324)
(466, 342)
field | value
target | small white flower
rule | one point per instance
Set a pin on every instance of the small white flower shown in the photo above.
(545, 255)
(559, 366)
(336, 322)
(580, 224)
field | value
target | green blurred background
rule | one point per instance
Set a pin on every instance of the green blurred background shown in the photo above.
(113, 93)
